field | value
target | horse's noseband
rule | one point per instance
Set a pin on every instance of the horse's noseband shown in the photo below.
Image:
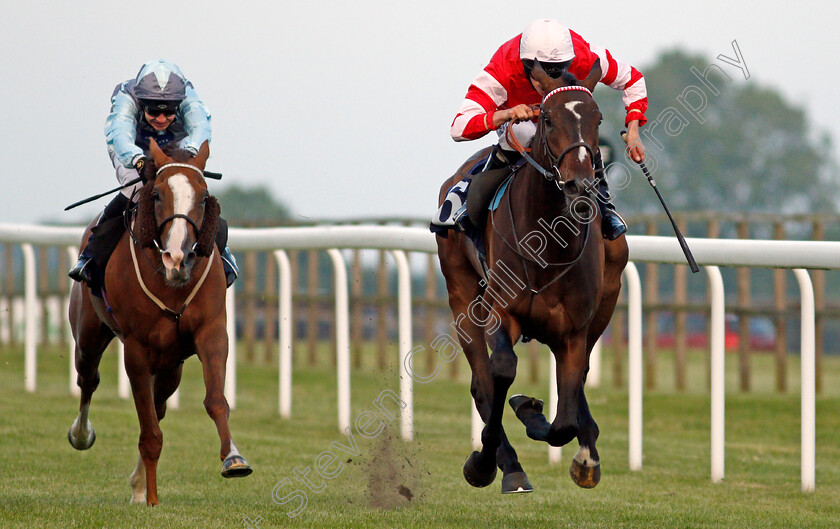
(170, 218)
(556, 163)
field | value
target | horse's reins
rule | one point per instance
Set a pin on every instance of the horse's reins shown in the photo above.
(156, 300)
(175, 314)
(518, 252)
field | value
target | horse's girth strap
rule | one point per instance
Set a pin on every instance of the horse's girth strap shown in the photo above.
(158, 302)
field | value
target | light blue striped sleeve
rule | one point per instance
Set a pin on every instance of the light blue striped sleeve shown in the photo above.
(196, 119)
(121, 129)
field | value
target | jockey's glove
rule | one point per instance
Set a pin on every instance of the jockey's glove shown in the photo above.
(139, 165)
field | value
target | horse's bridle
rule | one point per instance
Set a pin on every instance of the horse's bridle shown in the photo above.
(551, 175)
(174, 216)
(554, 172)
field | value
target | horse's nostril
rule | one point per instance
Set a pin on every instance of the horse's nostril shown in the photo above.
(190, 259)
(571, 188)
(584, 210)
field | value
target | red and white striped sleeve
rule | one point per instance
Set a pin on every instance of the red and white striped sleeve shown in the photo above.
(484, 96)
(620, 75)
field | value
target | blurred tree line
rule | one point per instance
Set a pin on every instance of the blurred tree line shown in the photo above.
(753, 151)
(252, 207)
(746, 149)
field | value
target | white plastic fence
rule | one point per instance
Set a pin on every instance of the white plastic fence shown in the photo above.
(710, 253)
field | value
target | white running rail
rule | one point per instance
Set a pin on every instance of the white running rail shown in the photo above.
(712, 253)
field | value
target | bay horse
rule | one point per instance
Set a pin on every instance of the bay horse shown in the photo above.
(164, 297)
(548, 274)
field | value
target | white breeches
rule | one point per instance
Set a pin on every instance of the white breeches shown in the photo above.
(524, 133)
(126, 174)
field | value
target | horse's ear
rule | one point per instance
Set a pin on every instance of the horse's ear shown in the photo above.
(157, 153)
(203, 153)
(593, 77)
(540, 76)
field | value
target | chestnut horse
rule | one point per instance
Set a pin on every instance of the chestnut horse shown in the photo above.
(165, 300)
(548, 275)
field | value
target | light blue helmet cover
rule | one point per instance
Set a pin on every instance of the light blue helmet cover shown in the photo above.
(160, 80)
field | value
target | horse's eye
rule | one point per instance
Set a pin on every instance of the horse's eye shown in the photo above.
(547, 119)
(155, 196)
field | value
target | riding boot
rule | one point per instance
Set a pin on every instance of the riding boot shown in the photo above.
(230, 266)
(228, 261)
(612, 225)
(499, 159)
(83, 270)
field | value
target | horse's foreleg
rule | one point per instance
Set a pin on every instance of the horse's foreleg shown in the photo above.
(586, 465)
(463, 288)
(514, 478)
(138, 482)
(212, 351)
(491, 381)
(573, 418)
(151, 438)
(92, 337)
(571, 367)
(572, 364)
(165, 384)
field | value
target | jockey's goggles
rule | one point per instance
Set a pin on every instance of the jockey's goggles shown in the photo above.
(552, 69)
(156, 108)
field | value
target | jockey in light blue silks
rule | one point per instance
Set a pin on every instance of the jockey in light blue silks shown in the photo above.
(159, 103)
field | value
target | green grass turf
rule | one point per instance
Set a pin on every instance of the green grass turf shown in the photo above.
(45, 483)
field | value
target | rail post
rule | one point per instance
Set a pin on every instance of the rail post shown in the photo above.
(635, 363)
(285, 339)
(718, 343)
(342, 338)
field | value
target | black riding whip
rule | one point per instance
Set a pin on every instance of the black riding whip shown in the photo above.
(207, 174)
(686, 250)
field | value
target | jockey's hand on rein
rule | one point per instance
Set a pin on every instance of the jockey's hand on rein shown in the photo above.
(521, 113)
(139, 165)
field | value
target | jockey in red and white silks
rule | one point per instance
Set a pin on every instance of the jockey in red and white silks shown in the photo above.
(494, 95)
(502, 96)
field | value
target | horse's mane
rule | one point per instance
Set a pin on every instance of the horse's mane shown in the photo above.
(569, 78)
(177, 153)
(145, 228)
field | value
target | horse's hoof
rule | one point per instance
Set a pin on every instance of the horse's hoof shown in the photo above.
(530, 404)
(473, 473)
(585, 476)
(81, 444)
(235, 466)
(516, 482)
(138, 500)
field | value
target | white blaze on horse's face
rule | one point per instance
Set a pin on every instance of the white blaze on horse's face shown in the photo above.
(570, 106)
(183, 196)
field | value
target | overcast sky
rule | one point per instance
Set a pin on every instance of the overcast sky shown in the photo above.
(341, 108)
